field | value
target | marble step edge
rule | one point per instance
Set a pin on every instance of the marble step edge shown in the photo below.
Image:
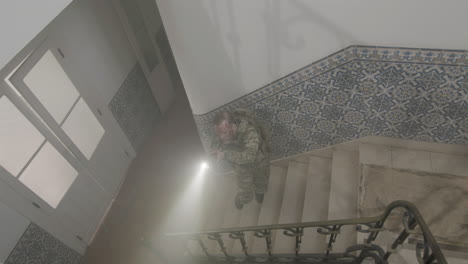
(353, 145)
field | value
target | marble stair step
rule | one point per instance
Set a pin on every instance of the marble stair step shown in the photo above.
(371, 154)
(411, 159)
(291, 206)
(224, 214)
(209, 205)
(316, 203)
(249, 217)
(269, 212)
(231, 216)
(216, 202)
(343, 203)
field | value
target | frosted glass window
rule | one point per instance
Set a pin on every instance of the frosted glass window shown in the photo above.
(49, 175)
(83, 128)
(52, 87)
(19, 139)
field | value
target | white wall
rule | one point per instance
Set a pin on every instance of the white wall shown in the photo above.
(227, 48)
(97, 50)
(159, 78)
(21, 21)
(12, 227)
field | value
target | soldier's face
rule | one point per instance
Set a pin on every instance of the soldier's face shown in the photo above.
(226, 131)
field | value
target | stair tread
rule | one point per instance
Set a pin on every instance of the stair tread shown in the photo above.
(410, 159)
(316, 203)
(231, 216)
(215, 203)
(208, 205)
(249, 217)
(344, 187)
(271, 205)
(223, 213)
(375, 155)
(292, 205)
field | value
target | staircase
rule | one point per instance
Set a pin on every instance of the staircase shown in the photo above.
(321, 185)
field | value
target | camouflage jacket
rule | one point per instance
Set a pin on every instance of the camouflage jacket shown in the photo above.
(251, 145)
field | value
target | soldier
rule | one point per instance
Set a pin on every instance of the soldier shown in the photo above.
(244, 144)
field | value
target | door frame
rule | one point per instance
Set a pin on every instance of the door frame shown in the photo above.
(15, 194)
(20, 198)
(17, 79)
(161, 86)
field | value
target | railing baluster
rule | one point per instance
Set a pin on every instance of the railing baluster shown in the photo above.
(300, 232)
(244, 245)
(203, 247)
(373, 235)
(409, 225)
(217, 237)
(407, 220)
(333, 232)
(241, 237)
(268, 242)
(371, 228)
(426, 258)
(267, 235)
(297, 233)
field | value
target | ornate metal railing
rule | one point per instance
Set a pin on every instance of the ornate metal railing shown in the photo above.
(427, 251)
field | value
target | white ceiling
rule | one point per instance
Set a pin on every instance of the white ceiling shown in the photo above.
(227, 48)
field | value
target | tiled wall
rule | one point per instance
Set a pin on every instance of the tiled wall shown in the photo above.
(406, 93)
(36, 246)
(135, 108)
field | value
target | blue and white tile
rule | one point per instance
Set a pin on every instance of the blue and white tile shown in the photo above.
(36, 246)
(134, 107)
(418, 94)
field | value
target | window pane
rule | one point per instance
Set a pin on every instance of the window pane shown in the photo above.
(83, 128)
(49, 175)
(51, 85)
(19, 139)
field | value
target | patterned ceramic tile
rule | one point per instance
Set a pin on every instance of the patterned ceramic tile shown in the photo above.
(135, 108)
(398, 92)
(36, 246)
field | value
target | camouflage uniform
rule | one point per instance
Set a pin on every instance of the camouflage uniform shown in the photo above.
(249, 155)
